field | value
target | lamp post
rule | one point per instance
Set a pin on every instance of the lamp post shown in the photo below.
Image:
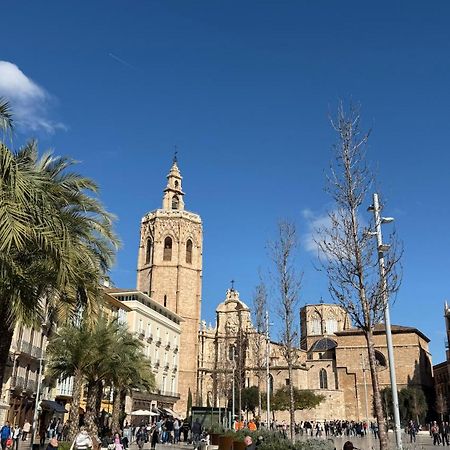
(268, 369)
(387, 318)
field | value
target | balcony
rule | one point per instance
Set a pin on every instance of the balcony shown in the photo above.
(150, 338)
(157, 363)
(158, 341)
(167, 345)
(31, 386)
(25, 347)
(169, 394)
(36, 352)
(175, 348)
(175, 368)
(141, 334)
(166, 367)
(18, 383)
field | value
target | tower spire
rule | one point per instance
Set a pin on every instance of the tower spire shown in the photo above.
(173, 194)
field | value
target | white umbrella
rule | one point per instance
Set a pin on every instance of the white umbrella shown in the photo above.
(143, 412)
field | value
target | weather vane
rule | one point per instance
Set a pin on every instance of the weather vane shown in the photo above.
(175, 153)
(232, 285)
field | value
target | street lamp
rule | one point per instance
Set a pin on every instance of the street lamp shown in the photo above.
(268, 369)
(382, 248)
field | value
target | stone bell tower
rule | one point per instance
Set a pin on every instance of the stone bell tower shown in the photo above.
(170, 271)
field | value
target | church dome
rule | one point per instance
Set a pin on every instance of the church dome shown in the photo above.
(324, 344)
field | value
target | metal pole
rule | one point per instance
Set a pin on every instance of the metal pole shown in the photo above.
(387, 320)
(232, 400)
(268, 369)
(36, 402)
(365, 388)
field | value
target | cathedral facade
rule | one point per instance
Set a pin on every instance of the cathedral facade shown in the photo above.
(331, 358)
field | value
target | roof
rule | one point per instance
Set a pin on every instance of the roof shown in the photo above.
(323, 345)
(380, 329)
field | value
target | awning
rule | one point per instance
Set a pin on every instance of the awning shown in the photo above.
(51, 405)
(143, 412)
(171, 413)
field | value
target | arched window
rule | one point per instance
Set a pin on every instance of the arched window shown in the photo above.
(175, 202)
(189, 251)
(167, 249)
(380, 360)
(148, 251)
(176, 184)
(323, 379)
(270, 383)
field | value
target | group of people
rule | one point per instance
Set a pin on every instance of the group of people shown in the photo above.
(440, 433)
(11, 435)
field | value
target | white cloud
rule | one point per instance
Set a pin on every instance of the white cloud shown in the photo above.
(314, 222)
(29, 101)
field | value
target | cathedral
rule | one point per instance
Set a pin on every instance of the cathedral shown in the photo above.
(331, 359)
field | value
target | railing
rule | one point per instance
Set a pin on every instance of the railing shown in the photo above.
(31, 386)
(166, 367)
(169, 394)
(167, 345)
(158, 341)
(25, 347)
(36, 352)
(175, 348)
(175, 368)
(150, 337)
(18, 383)
(157, 363)
(141, 334)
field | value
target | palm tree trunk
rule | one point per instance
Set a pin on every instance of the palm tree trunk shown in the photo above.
(90, 419)
(74, 414)
(6, 333)
(117, 407)
(376, 392)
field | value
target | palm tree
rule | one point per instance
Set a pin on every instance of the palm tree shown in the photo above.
(56, 239)
(69, 355)
(130, 370)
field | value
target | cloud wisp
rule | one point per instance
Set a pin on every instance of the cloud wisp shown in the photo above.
(29, 101)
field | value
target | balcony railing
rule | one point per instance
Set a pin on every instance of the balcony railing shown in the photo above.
(31, 386)
(158, 341)
(18, 383)
(157, 363)
(36, 352)
(175, 368)
(150, 337)
(166, 367)
(167, 345)
(141, 334)
(169, 394)
(175, 348)
(25, 347)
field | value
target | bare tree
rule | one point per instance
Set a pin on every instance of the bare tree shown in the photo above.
(288, 283)
(259, 338)
(347, 248)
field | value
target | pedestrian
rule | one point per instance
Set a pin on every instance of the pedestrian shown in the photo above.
(249, 445)
(196, 431)
(185, 429)
(5, 434)
(25, 430)
(82, 441)
(445, 433)
(15, 437)
(434, 430)
(412, 431)
(52, 444)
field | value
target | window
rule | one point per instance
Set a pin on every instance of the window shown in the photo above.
(165, 300)
(167, 249)
(175, 202)
(148, 251)
(287, 382)
(176, 184)
(323, 379)
(149, 330)
(380, 360)
(189, 251)
(315, 327)
(231, 352)
(331, 326)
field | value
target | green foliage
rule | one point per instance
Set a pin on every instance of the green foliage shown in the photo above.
(303, 399)
(412, 404)
(250, 398)
(275, 441)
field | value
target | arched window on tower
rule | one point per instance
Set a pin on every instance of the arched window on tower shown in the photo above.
(167, 249)
(323, 379)
(175, 202)
(148, 251)
(176, 184)
(189, 251)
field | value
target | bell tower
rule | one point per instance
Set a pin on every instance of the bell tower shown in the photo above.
(170, 272)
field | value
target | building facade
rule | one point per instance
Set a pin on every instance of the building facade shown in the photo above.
(170, 272)
(332, 360)
(159, 329)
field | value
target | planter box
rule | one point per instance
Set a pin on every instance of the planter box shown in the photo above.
(226, 442)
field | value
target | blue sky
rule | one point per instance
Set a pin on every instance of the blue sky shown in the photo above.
(244, 89)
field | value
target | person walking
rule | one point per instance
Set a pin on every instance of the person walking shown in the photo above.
(82, 441)
(435, 433)
(445, 433)
(25, 430)
(5, 434)
(15, 437)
